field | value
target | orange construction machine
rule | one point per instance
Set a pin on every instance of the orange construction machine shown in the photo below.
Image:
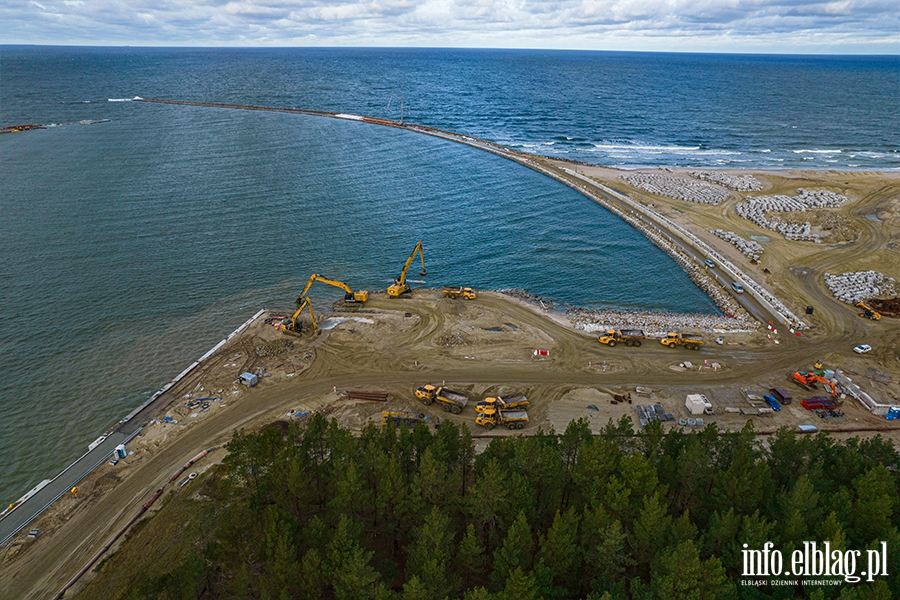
(808, 381)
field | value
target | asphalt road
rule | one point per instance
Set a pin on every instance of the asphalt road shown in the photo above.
(26, 512)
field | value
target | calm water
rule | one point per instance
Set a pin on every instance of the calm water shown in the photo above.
(129, 248)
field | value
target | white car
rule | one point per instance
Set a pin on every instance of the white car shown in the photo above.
(862, 349)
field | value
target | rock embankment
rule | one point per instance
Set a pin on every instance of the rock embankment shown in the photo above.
(757, 208)
(654, 324)
(856, 286)
(658, 324)
(748, 248)
(679, 188)
(738, 183)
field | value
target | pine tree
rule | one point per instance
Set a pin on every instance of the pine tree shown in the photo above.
(347, 565)
(516, 552)
(470, 559)
(680, 575)
(430, 556)
(559, 552)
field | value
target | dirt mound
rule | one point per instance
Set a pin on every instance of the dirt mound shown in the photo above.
(887, 308)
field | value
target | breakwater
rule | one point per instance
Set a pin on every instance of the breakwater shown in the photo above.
(610, 200)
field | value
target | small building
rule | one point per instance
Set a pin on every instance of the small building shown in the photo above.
(698, 404)
(248, 379)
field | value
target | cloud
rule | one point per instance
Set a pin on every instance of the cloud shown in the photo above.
(711, 25)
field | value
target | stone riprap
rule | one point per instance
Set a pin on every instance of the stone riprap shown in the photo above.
(746, 247)
(658, 324)
(756, 209)
(738, 183)
(856, 286)
(679, 188)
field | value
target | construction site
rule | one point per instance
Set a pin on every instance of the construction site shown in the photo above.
(784, 353)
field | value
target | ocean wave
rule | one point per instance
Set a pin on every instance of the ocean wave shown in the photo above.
(118, 100)
(641, 147)
(816, 151)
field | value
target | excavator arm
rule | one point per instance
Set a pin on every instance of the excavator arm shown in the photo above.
(297, 325)
(399, 286)
(350, 295)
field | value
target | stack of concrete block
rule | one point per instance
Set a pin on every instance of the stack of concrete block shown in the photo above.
(679, 188)
(755, 209)
(746, 247)
(856, 286)
(738, 183)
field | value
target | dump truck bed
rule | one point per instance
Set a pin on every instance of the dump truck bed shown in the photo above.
(632, 333)
(514, 415)
(456, 397)
(512, 399)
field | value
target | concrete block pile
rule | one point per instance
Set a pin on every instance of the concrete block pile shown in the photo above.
(746, 247)
(856, 286)
(756, 209)
(738, 183)
(679, 188)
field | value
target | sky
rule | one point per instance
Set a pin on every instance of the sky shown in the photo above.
(756, 26)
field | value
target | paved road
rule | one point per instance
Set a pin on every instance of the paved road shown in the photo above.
(25, 513)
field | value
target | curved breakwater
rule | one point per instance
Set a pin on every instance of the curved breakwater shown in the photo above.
(722, 300)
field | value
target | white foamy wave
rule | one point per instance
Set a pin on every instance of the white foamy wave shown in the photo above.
(651, 148)
(766, 150)
(817, 151)
(118, 100)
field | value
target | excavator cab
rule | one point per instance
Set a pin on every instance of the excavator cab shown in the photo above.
(400, 287)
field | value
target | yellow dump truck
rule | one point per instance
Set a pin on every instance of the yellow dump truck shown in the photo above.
(450, 401)
(629, 337)
(502, 403)
(691, 341)
(465, 293)
(493, 417)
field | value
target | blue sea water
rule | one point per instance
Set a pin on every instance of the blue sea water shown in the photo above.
(128, 248)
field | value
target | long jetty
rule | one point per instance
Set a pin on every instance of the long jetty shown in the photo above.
(684, 250)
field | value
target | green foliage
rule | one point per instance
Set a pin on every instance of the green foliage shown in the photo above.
(616, 516)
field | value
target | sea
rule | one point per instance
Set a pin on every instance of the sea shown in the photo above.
(131, 246)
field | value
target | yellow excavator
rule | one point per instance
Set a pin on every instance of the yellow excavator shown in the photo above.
(868, 311)
(349, 295)
(296, 325)
(399, 286)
